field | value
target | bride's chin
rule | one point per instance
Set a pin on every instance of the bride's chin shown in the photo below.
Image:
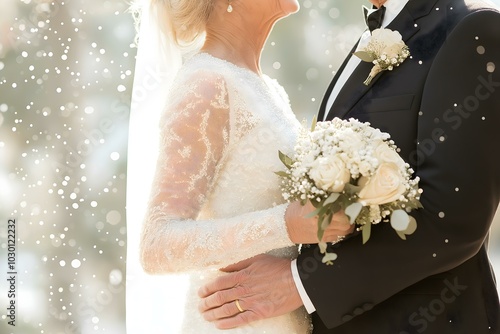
(290, 6)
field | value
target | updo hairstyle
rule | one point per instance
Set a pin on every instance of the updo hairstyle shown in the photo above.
(184, 20)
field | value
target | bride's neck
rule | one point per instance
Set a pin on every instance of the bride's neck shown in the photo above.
(239, 52)
(237, 41)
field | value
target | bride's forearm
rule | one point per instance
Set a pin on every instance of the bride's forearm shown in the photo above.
(170, 245)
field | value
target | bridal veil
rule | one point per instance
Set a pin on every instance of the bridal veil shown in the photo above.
(149, 298)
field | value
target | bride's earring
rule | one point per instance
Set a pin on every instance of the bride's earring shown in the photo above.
(229, 7)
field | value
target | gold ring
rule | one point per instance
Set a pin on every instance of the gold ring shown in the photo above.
(239, 306)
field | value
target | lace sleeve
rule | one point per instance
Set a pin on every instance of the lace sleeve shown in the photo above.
(194, 140)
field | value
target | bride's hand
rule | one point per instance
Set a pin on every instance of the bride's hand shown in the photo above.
(302, 230)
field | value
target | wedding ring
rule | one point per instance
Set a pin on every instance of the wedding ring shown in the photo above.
(239, 306)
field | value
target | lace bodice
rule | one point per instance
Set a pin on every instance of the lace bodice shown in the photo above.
(215, 198)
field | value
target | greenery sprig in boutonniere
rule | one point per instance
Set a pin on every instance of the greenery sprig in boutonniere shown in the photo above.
(386, 50)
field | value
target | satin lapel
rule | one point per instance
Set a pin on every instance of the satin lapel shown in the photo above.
(322, 108)
(354, 89)
(404, 23)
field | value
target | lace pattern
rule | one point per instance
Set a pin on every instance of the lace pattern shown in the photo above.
(215, 200)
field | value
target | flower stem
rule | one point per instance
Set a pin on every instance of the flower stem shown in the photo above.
(368, 80)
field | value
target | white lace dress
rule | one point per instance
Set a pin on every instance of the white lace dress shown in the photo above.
(215, 198)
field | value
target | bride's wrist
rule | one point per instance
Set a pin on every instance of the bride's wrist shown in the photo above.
(290, 221)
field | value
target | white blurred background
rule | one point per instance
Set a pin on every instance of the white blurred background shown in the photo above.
(66, 71)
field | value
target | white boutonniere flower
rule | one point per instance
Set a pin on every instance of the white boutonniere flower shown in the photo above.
(386, 50)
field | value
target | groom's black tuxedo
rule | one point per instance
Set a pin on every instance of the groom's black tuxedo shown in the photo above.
(442, 108)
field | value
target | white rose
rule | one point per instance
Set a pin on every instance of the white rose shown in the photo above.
(393, 50)
(386, 43)
(387, 185)
(330, 174)
(384, 153)
(386, 36)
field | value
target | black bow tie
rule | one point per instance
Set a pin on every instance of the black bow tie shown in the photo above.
(375, 19)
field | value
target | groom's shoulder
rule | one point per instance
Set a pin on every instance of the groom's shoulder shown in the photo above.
(470, 14)
(480, 5)
(460, 9)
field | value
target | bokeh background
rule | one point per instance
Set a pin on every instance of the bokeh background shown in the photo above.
(66, 72)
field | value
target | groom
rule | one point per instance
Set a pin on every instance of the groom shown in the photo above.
(442, 108)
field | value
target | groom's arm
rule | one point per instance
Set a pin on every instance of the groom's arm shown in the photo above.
(459, 171)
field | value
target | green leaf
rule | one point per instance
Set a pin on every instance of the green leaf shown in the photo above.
(365, 56)
(400, 220)
(351, 189)
(314, 122)
(414, 205)
(314, 213)
(352, 211)
(315, 203)
(326, 221)
(332, 198)
(366, 231)
(328, 258)
(336, 207)
(401, 235)
(321, 231)
(322, 247)
(285, 159)
(345, 201)
(324, 210)
(412, 227)
(281, 174)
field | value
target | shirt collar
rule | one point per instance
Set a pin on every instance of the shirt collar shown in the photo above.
(393, 8)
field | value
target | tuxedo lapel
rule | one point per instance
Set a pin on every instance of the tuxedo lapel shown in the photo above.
(405, 22)
(322, 108)
(354, 89)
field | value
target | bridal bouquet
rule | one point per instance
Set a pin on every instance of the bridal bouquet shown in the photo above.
(351, 166)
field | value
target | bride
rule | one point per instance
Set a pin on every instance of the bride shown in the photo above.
(215, 199)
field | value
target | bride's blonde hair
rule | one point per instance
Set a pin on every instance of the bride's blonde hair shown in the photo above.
(183, 20)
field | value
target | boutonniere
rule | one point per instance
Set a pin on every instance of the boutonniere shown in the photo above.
(386, 50)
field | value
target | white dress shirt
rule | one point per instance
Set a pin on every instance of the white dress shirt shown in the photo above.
(393, 8)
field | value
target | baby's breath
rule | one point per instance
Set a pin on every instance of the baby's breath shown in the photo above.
(353, 146)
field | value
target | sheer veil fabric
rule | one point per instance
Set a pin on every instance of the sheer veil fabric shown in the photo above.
(158, 59)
